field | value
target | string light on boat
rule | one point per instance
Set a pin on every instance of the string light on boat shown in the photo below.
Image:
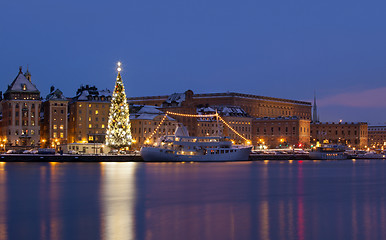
(248, 142)
(237, 133)
(156, 129)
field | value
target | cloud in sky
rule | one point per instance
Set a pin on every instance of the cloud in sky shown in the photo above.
(371, 98)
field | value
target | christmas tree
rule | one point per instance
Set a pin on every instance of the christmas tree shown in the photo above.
(118, 133)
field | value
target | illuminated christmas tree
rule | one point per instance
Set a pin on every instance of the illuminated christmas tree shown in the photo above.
(118, 133)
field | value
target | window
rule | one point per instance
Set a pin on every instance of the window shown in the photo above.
(90, 126)
(61, 111)
(61, 135)
(96, 112)
(103, 126)
(80, 105)
(54, 135)
(89, 119)
(55, 127)
(90, 138)
(89, 105)
(24, 87)
(32, 123)
(32, 132)
(61, 127)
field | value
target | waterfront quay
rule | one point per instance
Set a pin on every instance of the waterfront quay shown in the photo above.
(122, 158)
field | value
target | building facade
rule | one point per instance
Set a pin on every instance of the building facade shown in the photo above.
(235, 118)
(255, 106)
(88, 115)
(349, 134)
(281, 132)
(377, 137)
(20, 124)
(54, 123)
(145, 125)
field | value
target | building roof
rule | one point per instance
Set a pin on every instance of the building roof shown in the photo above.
(178, 97)
(146, 112)
(224, 110)
(22, 84)
(91, 93)
(56, 95)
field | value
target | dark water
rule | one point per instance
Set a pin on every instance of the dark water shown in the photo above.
(248, 200)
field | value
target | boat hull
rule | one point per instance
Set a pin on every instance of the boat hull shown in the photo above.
(154, 154)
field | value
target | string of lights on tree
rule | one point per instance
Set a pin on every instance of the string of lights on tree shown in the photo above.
(196, 116)
(118, 134)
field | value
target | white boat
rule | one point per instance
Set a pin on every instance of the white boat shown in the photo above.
(368, 155)
(195, 149)
(329, 152)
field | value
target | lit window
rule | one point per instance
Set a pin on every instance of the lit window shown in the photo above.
(54, 135)
(32, 132)
(55, 127)
(89, 105)
(90, 126)
(89, 119)
(61, 127)
(61, 135)
(103, 126)
(80, 105)
(96, 112)
(24, 87)
(90, 138)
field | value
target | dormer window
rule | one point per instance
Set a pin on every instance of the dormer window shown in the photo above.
(24, 87)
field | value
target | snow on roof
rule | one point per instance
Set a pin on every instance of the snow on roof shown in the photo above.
(22, 84)
(224, 110)
(147, 112)
(176, 97)
(150, 109)
(105, 92)
(83, 95)
(56, 95)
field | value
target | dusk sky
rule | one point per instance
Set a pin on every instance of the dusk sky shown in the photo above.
(282, 48)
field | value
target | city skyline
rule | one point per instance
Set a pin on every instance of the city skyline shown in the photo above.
(284, 50)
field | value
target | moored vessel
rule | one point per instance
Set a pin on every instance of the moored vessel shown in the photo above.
(329, 152)
(196, 149)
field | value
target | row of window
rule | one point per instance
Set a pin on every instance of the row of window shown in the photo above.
(24, 132)
(90, 105)
(24, 114)
(23, 122)
(25, 105)
(336, 132)
(90, 112)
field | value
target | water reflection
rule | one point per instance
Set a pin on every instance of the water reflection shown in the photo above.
(3, 202)
(118, 200)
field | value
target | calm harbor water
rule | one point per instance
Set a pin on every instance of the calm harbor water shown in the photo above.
(246, 200)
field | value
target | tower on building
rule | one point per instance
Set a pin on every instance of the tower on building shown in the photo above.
(315, 117)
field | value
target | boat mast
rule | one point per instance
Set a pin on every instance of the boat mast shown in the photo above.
(218, 127)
